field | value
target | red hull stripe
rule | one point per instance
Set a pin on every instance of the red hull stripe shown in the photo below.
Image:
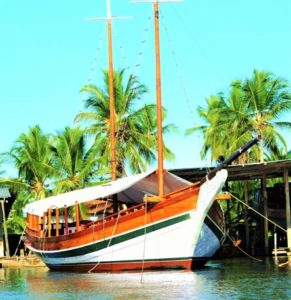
(176, 264)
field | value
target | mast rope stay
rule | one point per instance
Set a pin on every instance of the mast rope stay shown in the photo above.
(144, 242)
(178, 67)
(122, 51)
(144, 40)
(109, 243)
(207, 58)
(95, 59)
(231, 239)
(261, 215)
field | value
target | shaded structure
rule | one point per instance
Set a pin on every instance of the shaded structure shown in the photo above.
(248, 172)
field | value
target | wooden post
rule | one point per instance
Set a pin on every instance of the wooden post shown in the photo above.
(38, 223)
(288, 219)
(265, 212)
(77, 216)
(247, 229)
(49, 222)
(5, 228)
(66, 219)
(57, 221)
(43, 224)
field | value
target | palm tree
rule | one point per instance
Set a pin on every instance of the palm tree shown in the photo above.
(250, 109)
(32, 158)
(269, 97)
(76, 165)
(135, 124)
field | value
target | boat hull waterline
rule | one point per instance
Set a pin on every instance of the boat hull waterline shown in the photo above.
(173, 234)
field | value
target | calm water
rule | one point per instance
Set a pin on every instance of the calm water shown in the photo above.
(229, 279)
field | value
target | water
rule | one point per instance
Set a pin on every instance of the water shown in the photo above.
(229, 279)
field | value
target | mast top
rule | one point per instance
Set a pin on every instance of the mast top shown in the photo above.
(109, 15)
(154, 1)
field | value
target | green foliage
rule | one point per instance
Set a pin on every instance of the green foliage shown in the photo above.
(52, 164)
(75, 164)
(251, 108)
(32, 158)
(135, 126)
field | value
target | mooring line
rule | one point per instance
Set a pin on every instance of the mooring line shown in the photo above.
(269, 220)
(109, 243)
(144, 242)
(226, 234)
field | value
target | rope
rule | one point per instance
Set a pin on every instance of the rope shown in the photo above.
(178, 68)
(20, 239)
(249, 207)
(210, 63)
(226, 234)
(109, 243)
(122, 51)
(144, 244)
(138, 63)
(94, 63)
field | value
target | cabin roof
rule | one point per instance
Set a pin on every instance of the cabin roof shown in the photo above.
(273, 169)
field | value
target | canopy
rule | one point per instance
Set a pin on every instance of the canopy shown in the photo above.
(130, 189)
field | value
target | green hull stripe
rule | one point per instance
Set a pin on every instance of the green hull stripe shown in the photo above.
(115, 240)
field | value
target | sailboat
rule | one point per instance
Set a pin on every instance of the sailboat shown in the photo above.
(166, 222)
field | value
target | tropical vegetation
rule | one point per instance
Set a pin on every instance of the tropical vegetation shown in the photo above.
(74, 158)
(135, 129)
(77, 157)
(252, 107)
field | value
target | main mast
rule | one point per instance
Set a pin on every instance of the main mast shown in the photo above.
(111, 93)
(160, 170)
(159, 102)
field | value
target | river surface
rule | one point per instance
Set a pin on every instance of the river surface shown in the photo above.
(239, 278)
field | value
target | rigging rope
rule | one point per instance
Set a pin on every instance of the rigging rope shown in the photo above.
(140, 55)
(178, 68)
(122, 51)
(181, 79)
(144, 243)
(20, 239)
(109, 243)
(198, 46)
(237, 246)
(249, 207)
(95, 60)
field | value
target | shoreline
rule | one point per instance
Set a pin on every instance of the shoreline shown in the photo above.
(21, 261)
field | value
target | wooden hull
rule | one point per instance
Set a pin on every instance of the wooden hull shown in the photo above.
(172, 234)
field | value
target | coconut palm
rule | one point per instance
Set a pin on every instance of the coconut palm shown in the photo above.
(135, 123)
(32, 158)
(75, 163)
(250, 109)
(269, 98)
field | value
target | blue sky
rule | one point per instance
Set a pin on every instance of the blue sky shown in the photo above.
(48, 52)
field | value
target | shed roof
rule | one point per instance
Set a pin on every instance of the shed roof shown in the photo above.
(272, 169)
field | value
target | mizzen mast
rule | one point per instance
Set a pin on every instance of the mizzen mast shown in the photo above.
(159, 102)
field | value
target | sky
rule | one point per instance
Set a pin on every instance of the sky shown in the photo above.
(48, 51)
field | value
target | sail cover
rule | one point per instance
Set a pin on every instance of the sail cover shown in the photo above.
(130, 189)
